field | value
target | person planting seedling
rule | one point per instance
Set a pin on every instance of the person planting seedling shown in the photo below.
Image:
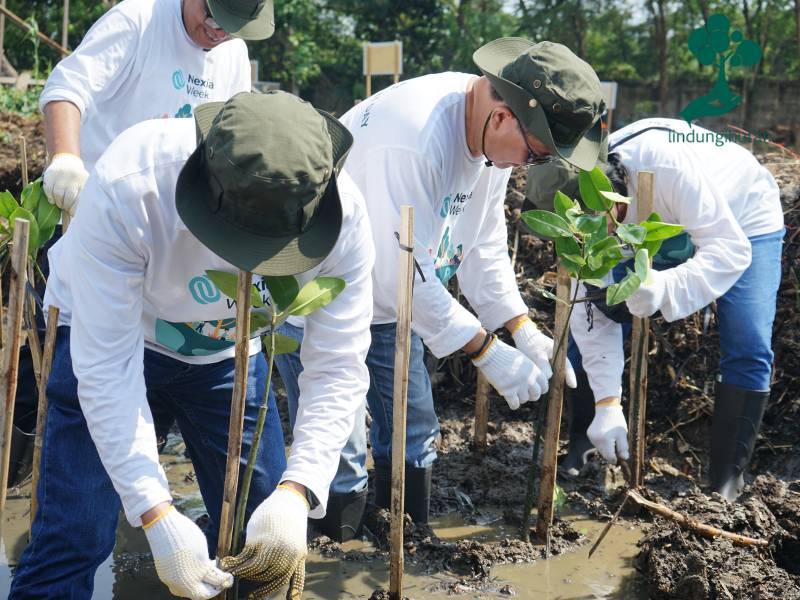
(444, 143)
(730, 208)
(253, 184)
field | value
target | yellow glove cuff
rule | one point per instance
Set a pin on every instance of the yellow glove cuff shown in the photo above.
(159, 517)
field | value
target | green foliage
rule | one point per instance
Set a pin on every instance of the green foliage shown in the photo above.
(34, 206)
(22, 102)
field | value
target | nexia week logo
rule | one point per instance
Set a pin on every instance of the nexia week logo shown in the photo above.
(196, 87)
(715, 44)
(178, 80)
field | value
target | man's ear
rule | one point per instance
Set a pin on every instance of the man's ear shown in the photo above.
(501, 114)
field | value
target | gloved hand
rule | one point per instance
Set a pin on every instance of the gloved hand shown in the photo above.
(511, 373)
(180, 552)
(275, 552)
(63, 181)
(539, 348)
(609, 432)
(645, 301)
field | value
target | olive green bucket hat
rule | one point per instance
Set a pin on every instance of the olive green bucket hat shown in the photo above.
(245, 19)
(555, 94)
(260, 189)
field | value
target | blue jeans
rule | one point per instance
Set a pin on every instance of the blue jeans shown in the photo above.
(422, 425)
(746, 313)
(75, 526)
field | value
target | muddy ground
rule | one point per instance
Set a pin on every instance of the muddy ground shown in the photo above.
(490, 488)
(12, 126)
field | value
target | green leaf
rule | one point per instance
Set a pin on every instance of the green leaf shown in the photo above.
(619, 292)
(315, 294)
(630, 233)
(660, 231)
(47, 215)
(258, 321)
(652, 247)
(45, 234)
(578, 260)
(551, 296)
(33, 232)
(567, 246)
(282, 290)
(225, 282)
(573, 213)
(8, 204)
(595, 282)
(615, 197)
(642, 263)
(562, 204)
(588, 224)
(228, 283)
(546, 223)
(283, 343)
(591, 183)
(32, 195)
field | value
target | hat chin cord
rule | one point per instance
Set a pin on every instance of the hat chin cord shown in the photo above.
(488, 162)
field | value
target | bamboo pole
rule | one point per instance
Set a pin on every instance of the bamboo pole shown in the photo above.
(399, 396)
(23, 158)
(65, 28)
(640, 337)
(2, 35)
(547, 486)
(41, 411)
(481, 414)
(10, 365)
(21, 23)
(237, 415)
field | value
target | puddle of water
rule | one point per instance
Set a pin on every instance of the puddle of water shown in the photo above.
(129, 573)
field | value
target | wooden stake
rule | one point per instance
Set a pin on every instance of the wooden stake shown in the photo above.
(19, 22)
(481, 414)
(237, 415)
(10, 364)
(41, 411)
(640, 337)
(23, 157)
(399, 395)
(65, 28)
(547, 487)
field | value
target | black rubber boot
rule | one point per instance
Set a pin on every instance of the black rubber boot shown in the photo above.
(580, 403)
(344, 516)
(734, 429)
(417, 492)
(20, 462)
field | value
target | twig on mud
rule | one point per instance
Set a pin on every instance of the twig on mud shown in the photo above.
(607, 528)
(692, 524)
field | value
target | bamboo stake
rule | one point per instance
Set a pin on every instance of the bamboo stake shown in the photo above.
(640, 337)
(8, 381)
(237, 415)
(21, 23)
(41, 411)
(399, 396)
(65, 28)
(547, 487)
(23, 157)
(2, 35)
(693, 524)
(481, 414)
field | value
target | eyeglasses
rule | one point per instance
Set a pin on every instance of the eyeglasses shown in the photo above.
(534, 158)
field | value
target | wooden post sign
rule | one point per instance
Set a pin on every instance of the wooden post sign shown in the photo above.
(382, 58)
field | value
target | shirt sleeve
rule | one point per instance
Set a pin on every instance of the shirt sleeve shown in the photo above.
(396, 177)
(107, 347)
(334, 380)
(97, 67)
(486, 276)
(723, 250)
(601, 348)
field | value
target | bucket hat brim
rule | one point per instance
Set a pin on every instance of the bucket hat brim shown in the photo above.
(491, 59)
(260, 254)
(260, 28)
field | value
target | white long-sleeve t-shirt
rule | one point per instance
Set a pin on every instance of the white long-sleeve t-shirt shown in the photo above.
(411, 148)
(129, 275)
(136, 63)
(719, 193)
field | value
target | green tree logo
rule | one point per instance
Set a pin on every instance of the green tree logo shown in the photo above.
(715, 44)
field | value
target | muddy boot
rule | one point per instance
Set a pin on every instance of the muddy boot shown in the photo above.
(418, 492)
(580, 403)
(734, 429)
(20, 463)
(344, 516)
(383, 485)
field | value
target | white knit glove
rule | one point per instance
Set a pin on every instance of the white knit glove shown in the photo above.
(650, 296)
(275, 552)
(511, 373)
(180, 552)
(539, 348)
(63, 181)
(609, 432)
